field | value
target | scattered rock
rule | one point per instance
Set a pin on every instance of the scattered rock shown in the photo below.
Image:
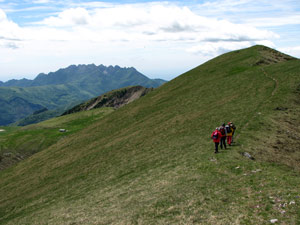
(283, 205)
(255, 171)
(7, 154)
(116, 99)
(260, 62)
(1, 130)
(246, 154)
(62, 130)
(292, 203)
(281, 108)
(274, 220)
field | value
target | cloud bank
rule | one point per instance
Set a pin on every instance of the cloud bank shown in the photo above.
(138, 33)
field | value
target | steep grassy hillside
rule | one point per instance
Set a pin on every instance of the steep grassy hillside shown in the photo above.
(17, 143)
(152, 161)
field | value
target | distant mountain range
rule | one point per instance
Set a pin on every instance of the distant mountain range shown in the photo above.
(65, 88)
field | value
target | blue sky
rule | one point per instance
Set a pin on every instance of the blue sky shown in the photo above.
(162, 39)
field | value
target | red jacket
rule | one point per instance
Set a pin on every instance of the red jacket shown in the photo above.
(219, 135)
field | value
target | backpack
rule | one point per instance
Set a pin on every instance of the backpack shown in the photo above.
(215, 135)
(222, 130)
(228, 130)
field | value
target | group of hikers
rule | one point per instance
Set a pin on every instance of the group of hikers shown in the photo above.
(222, 134)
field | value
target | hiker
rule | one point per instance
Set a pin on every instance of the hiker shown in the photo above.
(229, 131)
(234, 128)
(216, 136)
(223, 137)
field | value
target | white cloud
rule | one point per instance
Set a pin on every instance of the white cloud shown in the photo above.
(41, 1)
(293, 51)
(266, 43)
(155, 22)
(3, 16)
(10, 32)
(140, 35)
(213, 49)
(274, 21)
(69, 17)
(256, 13)
(225, 5)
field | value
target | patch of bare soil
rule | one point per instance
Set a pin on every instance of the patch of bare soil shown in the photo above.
(7, 159)
(271, 56)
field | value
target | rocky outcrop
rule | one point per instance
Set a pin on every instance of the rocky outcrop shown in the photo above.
(115, 99)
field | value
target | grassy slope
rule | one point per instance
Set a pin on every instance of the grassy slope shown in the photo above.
(18, 143)
(152, 162)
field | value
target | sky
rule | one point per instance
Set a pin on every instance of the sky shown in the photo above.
(161, 39)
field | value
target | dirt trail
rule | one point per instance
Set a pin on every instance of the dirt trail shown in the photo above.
(256, 111)
(276, 81)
